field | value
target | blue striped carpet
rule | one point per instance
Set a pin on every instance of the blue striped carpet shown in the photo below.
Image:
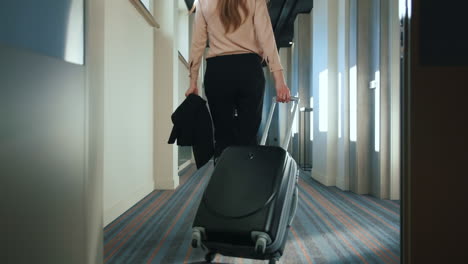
(331, 226)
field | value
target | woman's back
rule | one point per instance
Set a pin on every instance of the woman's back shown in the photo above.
(240, 41)
(254, 35)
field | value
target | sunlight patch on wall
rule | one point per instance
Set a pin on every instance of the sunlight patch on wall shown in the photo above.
(312, 119)
(409, 3)
(353, 103)
(147, 4)
(74, 46)
(323, 101)
(402, 8)
(377, 112)
(340, 94)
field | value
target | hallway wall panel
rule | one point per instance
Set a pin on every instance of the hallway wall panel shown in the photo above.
(42, 158)
(42, 132)
(128, 108)
(353, 72)
(343, 57)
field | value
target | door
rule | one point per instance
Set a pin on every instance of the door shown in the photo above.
(42, 135)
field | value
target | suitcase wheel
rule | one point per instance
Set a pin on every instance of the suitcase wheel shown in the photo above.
(260, 245)
(272, 261)
(196, 240)
(195, 243)
(210, 256)
(197, 234)
(261, 240)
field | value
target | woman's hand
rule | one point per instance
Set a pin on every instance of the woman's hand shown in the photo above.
(193, 89)
(283, 95)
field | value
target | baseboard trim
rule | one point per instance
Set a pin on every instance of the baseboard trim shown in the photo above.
(167, 184)
(185, 165)
(319, 177)
(123, 205)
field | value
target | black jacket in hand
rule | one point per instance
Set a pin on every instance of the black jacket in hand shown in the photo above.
(193, 127)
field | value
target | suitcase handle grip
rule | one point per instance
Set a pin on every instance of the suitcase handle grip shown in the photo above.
(285, 144)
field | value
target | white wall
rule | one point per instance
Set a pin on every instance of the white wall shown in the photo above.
(128, 108)
(324, 90)
(166, 94)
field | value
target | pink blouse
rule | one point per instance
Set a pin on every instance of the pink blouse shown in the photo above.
(255, 35)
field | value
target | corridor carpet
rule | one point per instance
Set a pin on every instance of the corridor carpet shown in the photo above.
(331, 226)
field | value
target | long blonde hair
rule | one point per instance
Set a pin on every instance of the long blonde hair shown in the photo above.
(230, 14)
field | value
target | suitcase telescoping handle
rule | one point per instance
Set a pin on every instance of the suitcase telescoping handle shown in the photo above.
(285, 144)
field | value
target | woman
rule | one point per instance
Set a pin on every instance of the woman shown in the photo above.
(240, 37)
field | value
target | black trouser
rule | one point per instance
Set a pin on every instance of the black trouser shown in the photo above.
(234, 86)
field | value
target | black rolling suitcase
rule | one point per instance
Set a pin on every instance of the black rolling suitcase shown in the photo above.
(250, 201)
